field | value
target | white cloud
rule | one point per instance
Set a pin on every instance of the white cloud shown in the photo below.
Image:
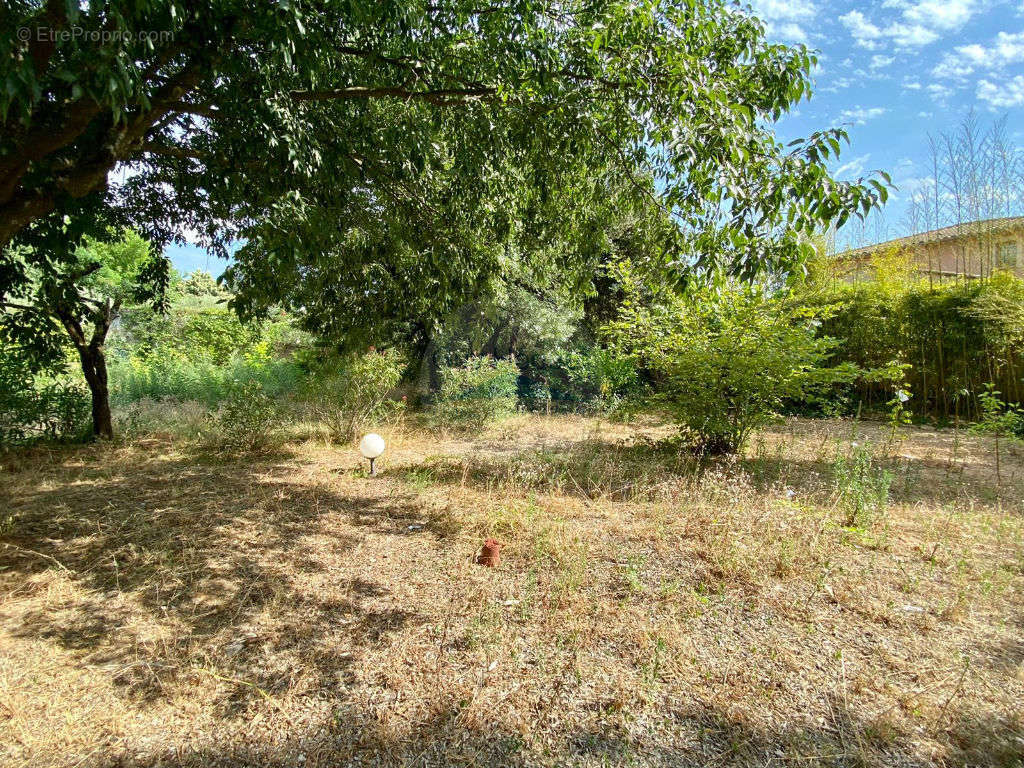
(878, 61)
(838, 84)
(1005, 50)
(860, 115)
(941, 14)
(864, 32)
(782, 18)
(790, 31)
(853, 168)
(911, 35)
(1007, 93)
(939, 92)
(903, 166)
(779, 10)
(922, 23)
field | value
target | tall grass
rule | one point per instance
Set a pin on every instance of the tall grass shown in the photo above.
(201, 380)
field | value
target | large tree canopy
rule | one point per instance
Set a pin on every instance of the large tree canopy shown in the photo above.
(327, 133)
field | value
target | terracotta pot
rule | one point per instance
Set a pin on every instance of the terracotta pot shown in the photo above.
(490, 554)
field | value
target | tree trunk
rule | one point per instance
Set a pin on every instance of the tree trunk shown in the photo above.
(94, 366)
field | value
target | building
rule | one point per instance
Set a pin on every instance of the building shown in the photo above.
(973, 249)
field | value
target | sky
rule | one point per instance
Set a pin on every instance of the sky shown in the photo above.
(894, 71)
(891, 72)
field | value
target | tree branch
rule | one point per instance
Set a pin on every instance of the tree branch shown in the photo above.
(436, 96)
(182, 153)
(22, 307)
(209, 111)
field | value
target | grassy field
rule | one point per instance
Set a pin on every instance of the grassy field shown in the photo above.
(162, 606)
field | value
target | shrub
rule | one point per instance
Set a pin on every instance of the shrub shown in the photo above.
(598, 377)
(354, 393)
(537, 396)
(724, 365)
(52, 410)
(954, 337)
(476, 392)
(39, 407)
(247, 419)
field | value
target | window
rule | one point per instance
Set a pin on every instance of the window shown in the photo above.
(1007, 254)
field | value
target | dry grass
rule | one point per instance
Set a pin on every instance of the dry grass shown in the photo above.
(159, 607)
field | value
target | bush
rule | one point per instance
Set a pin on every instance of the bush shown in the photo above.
(537, 396)
(210, 334)
(247, 419)
(355, 393)
(199, 354)
(724, 365)
(53, 410)
(597, 377)
(954, 337)
(40, 407)
(479, 391)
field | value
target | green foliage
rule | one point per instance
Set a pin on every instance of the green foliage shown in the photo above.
(201, 283)
(76, 303)
(355, 392)
(247, 419)
(536, 396)
(724, 365)
(122, 259)
(73, 296)
(950, 338)
(997, 417)
(34, 407)
(532, 323)
(161, 378)
(862, 486)
(208, 334)
(899, 413)
(382, 161)
(198, 353)
(479, 391)
(597, 377)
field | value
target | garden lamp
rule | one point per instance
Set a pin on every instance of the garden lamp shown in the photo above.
(371, 446)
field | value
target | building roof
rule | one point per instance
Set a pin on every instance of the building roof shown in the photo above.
(984, 226)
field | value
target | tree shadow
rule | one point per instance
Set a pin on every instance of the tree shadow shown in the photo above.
(199, 572)
(185, 568)
(692, 734)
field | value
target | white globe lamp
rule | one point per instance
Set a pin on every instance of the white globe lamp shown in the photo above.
(372, 446)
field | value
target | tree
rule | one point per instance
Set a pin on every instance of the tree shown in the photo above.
(322, 133)
(975, 178)
(201, 283)
(83, 298)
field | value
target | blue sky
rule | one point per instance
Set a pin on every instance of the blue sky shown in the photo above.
(896, 70)
(891, 71)
(189, 257)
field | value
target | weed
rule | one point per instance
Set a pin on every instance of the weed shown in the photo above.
(862, 486)
(247, 420)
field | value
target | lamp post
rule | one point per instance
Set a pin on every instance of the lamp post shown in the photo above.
(372, 446)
